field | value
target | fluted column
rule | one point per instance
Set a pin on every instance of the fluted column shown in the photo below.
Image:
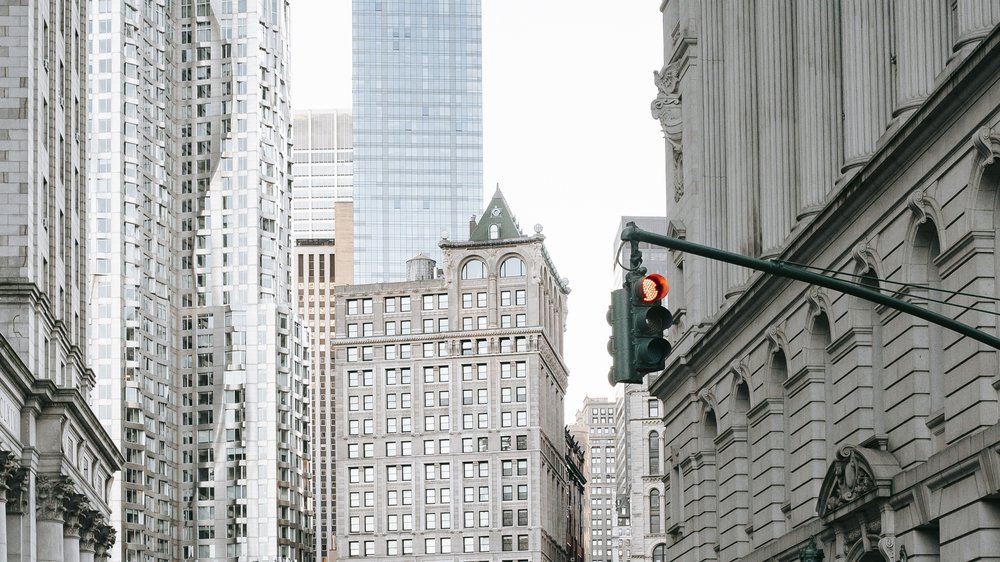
(775, 99)
(817, 101)
(743, 217)
(922, 49)
(50, 492)
(976, 19)
(714, 117)
(866, 42)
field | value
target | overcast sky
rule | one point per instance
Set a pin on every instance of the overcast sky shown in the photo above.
(567, 133)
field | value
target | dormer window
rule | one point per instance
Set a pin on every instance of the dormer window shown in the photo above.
(494, 231)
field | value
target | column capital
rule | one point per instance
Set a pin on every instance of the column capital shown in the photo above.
(50, 495)
(90, 523)
(104, 538)
(75, 507)
(16, 491)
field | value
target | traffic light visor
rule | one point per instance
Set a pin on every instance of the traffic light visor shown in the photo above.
(653, 288)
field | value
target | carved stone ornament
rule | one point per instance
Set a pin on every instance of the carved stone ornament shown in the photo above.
(9, 465)
(919, 206)
(17, 492)
(987, 143)
(76, 506)
(852, 478)
(865, 257)
(887, 546)
(104, 539)
(50, 497)
(89, 522)
(666, 108)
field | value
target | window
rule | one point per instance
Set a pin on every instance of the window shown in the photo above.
(654, 408)
(660, 553)
(474, 269)
(520, 297)
(504, 298)
(654, 452)
(512, 267)
(481, 301)
(404, 304)
(654, 511)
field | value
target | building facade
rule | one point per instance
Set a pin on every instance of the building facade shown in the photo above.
(639, 523)
(56, 461)
(450, 435)
(417, 130)
(576, 506)
(792, 411)
(201, 365)
(595, 421)
(322, 226)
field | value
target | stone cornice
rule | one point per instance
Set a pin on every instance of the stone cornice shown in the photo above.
(78, 409)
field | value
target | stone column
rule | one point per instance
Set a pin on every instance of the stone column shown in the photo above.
(89, 521)
(818, 103)
(17, 489)
(713, 206)
(50, 494)
(76, 506)
(776, 104)
(922, 50)
(867, 76)
(976, 19)
(742, 216)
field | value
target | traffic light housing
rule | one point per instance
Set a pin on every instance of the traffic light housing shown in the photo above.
(638, 321)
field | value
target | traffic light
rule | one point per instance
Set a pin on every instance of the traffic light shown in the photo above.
(637, 324)
(620, 345)
(649, 321)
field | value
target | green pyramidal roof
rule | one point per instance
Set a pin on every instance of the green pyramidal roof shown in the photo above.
(497, 213)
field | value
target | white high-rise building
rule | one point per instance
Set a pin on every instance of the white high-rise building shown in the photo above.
(200, 361)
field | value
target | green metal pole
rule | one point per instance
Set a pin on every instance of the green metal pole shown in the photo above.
(636, 234)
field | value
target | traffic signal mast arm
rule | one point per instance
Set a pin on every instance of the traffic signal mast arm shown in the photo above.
(632, 233)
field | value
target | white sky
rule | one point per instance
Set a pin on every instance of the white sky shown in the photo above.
(567, 133)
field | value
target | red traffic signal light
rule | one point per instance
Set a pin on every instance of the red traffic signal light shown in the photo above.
(652, 288)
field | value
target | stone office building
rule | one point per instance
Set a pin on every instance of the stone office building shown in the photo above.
(56, 461)
(450, 438)
(861, 138)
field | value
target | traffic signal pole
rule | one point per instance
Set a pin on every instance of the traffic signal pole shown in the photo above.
(632, 233)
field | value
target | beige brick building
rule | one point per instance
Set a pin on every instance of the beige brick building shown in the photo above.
(860, 137)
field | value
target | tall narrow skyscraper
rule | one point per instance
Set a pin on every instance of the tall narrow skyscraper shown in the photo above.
(417, 130)
(199, 359)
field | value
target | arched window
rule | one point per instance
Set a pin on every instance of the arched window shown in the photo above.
(512, 267)
(474, 269)
(660, 553)
(494, 231)
(654, 453)
(654, 511)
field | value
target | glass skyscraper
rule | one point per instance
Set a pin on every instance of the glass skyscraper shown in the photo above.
(417, 129)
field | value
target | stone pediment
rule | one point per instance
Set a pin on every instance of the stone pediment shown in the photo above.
(858, 476)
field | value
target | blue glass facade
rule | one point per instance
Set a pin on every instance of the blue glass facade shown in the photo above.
(418, 164)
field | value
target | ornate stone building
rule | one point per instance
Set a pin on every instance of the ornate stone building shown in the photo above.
(860, 138)
(450, 437)
(56, 461)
